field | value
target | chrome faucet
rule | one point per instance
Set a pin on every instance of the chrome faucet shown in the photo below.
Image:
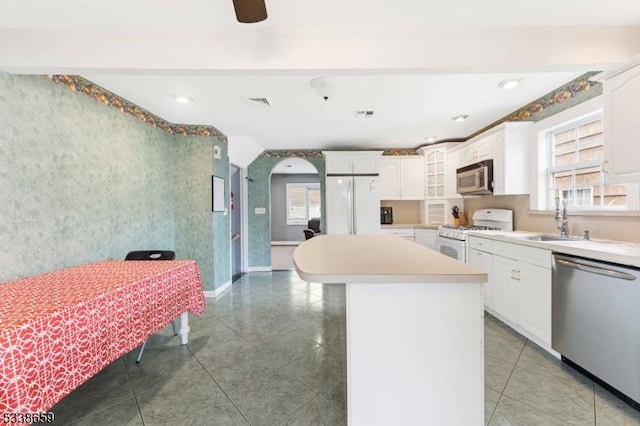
(561, 217)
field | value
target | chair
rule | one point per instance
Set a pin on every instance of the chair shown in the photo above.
(308, 233)
(314, 225)
(152, 255)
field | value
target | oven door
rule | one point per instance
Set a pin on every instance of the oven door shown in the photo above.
(452, 248)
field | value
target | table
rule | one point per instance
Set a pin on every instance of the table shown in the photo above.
(414, 329)
(59, 329)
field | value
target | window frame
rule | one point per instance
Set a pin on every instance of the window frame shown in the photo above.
(574, 167)
(308, 186)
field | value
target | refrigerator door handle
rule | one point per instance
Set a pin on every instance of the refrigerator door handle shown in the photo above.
(350, 206)
(354, 210)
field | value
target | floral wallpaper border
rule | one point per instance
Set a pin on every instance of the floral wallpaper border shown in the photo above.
(99, 94)
(313, 153)
(578, 90)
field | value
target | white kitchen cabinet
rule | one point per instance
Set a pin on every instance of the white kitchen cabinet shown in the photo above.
(401, 178)
(450, 174)
(522, 289)
(484, 260)
(505, 295)
(440, 171)
(352, 162)
(389, 178)
(621, 89)
(404, 233)
(426, 237)
(508, 146)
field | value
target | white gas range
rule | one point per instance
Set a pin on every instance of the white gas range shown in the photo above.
(452, 239)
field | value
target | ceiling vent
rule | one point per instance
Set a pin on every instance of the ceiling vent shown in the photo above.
(258, 101)
(364, 113)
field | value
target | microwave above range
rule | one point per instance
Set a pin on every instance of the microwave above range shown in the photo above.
(475, 179)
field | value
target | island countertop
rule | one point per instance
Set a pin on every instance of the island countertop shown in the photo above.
(378, 259)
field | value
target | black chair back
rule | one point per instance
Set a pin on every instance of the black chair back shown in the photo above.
(314, 225)
(151, 255)
(308, 233)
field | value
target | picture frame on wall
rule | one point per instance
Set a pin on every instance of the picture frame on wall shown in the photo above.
(217, 194)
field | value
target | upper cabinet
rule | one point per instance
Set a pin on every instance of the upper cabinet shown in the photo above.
(621, 123)
(508, 146)
(440, 164)
(352, 162)
(402, 178)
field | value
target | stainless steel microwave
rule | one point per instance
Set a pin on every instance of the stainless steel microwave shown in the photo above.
(475, 179)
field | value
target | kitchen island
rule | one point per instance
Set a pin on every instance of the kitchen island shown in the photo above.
(414, 329)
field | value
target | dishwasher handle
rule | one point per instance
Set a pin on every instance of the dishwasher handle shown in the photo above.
(577, 264)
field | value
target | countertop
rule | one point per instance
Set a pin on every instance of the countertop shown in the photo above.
(410, 225)
(609, 251)
(377, 259)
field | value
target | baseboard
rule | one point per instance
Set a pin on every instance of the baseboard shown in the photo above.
(259, 269)
(286, 243)
(218, 291)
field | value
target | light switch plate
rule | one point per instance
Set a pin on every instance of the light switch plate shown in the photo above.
(217, 154)
(260, 210)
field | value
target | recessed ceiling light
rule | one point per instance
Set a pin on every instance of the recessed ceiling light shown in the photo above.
(431, 139)
(183, 99)
(460, 118)
(509, 84)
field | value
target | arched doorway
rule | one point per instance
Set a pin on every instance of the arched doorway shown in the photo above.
(295, 198)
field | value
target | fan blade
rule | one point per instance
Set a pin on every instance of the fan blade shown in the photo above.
(250, 11)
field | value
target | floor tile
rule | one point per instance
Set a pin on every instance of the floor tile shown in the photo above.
(336, 395)
(502, 342)
(490, 402)
(319, 370)
(125, 413)
(108, 388)
(510, 412)
(271, 399)
(181, 397)
(540, 361)
(568, 399)
(496, 373)
(612, 411)
(317, 412)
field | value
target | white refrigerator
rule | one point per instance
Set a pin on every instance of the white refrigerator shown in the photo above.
(353, 204)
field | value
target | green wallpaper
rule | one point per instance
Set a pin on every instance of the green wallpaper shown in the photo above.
(81, 182)
(259, 174)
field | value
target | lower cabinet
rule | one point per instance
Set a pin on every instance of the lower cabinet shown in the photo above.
(426, 237)
(518, 291)
(404, 233)
(483, 260)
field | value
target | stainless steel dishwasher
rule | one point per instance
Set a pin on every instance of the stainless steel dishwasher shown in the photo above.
(596, 320)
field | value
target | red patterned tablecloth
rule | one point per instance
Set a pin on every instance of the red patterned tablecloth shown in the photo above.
(59, 329)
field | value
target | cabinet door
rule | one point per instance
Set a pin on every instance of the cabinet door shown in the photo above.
(622, 127)
(484, 261)
(452, 164)
(389, 179)
(505, 289)
(534, 300)
(340, 164)
(363, 164)
(434, 174)
(412, 178)
(426, 237)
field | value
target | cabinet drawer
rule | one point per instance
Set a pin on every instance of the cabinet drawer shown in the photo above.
(532, 255)
(399, 232)
(481, 244)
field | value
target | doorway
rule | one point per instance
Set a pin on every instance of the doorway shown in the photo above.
(295, 198)
(236, 222)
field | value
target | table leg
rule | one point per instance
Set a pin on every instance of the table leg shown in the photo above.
(184, 327)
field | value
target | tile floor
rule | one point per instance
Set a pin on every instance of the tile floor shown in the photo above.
(271, 351)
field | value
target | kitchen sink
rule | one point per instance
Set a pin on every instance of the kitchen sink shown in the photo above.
(549, 237)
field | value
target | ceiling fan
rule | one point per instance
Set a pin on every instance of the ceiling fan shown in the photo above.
(250, 11)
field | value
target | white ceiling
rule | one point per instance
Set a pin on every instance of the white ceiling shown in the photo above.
(416, 63)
